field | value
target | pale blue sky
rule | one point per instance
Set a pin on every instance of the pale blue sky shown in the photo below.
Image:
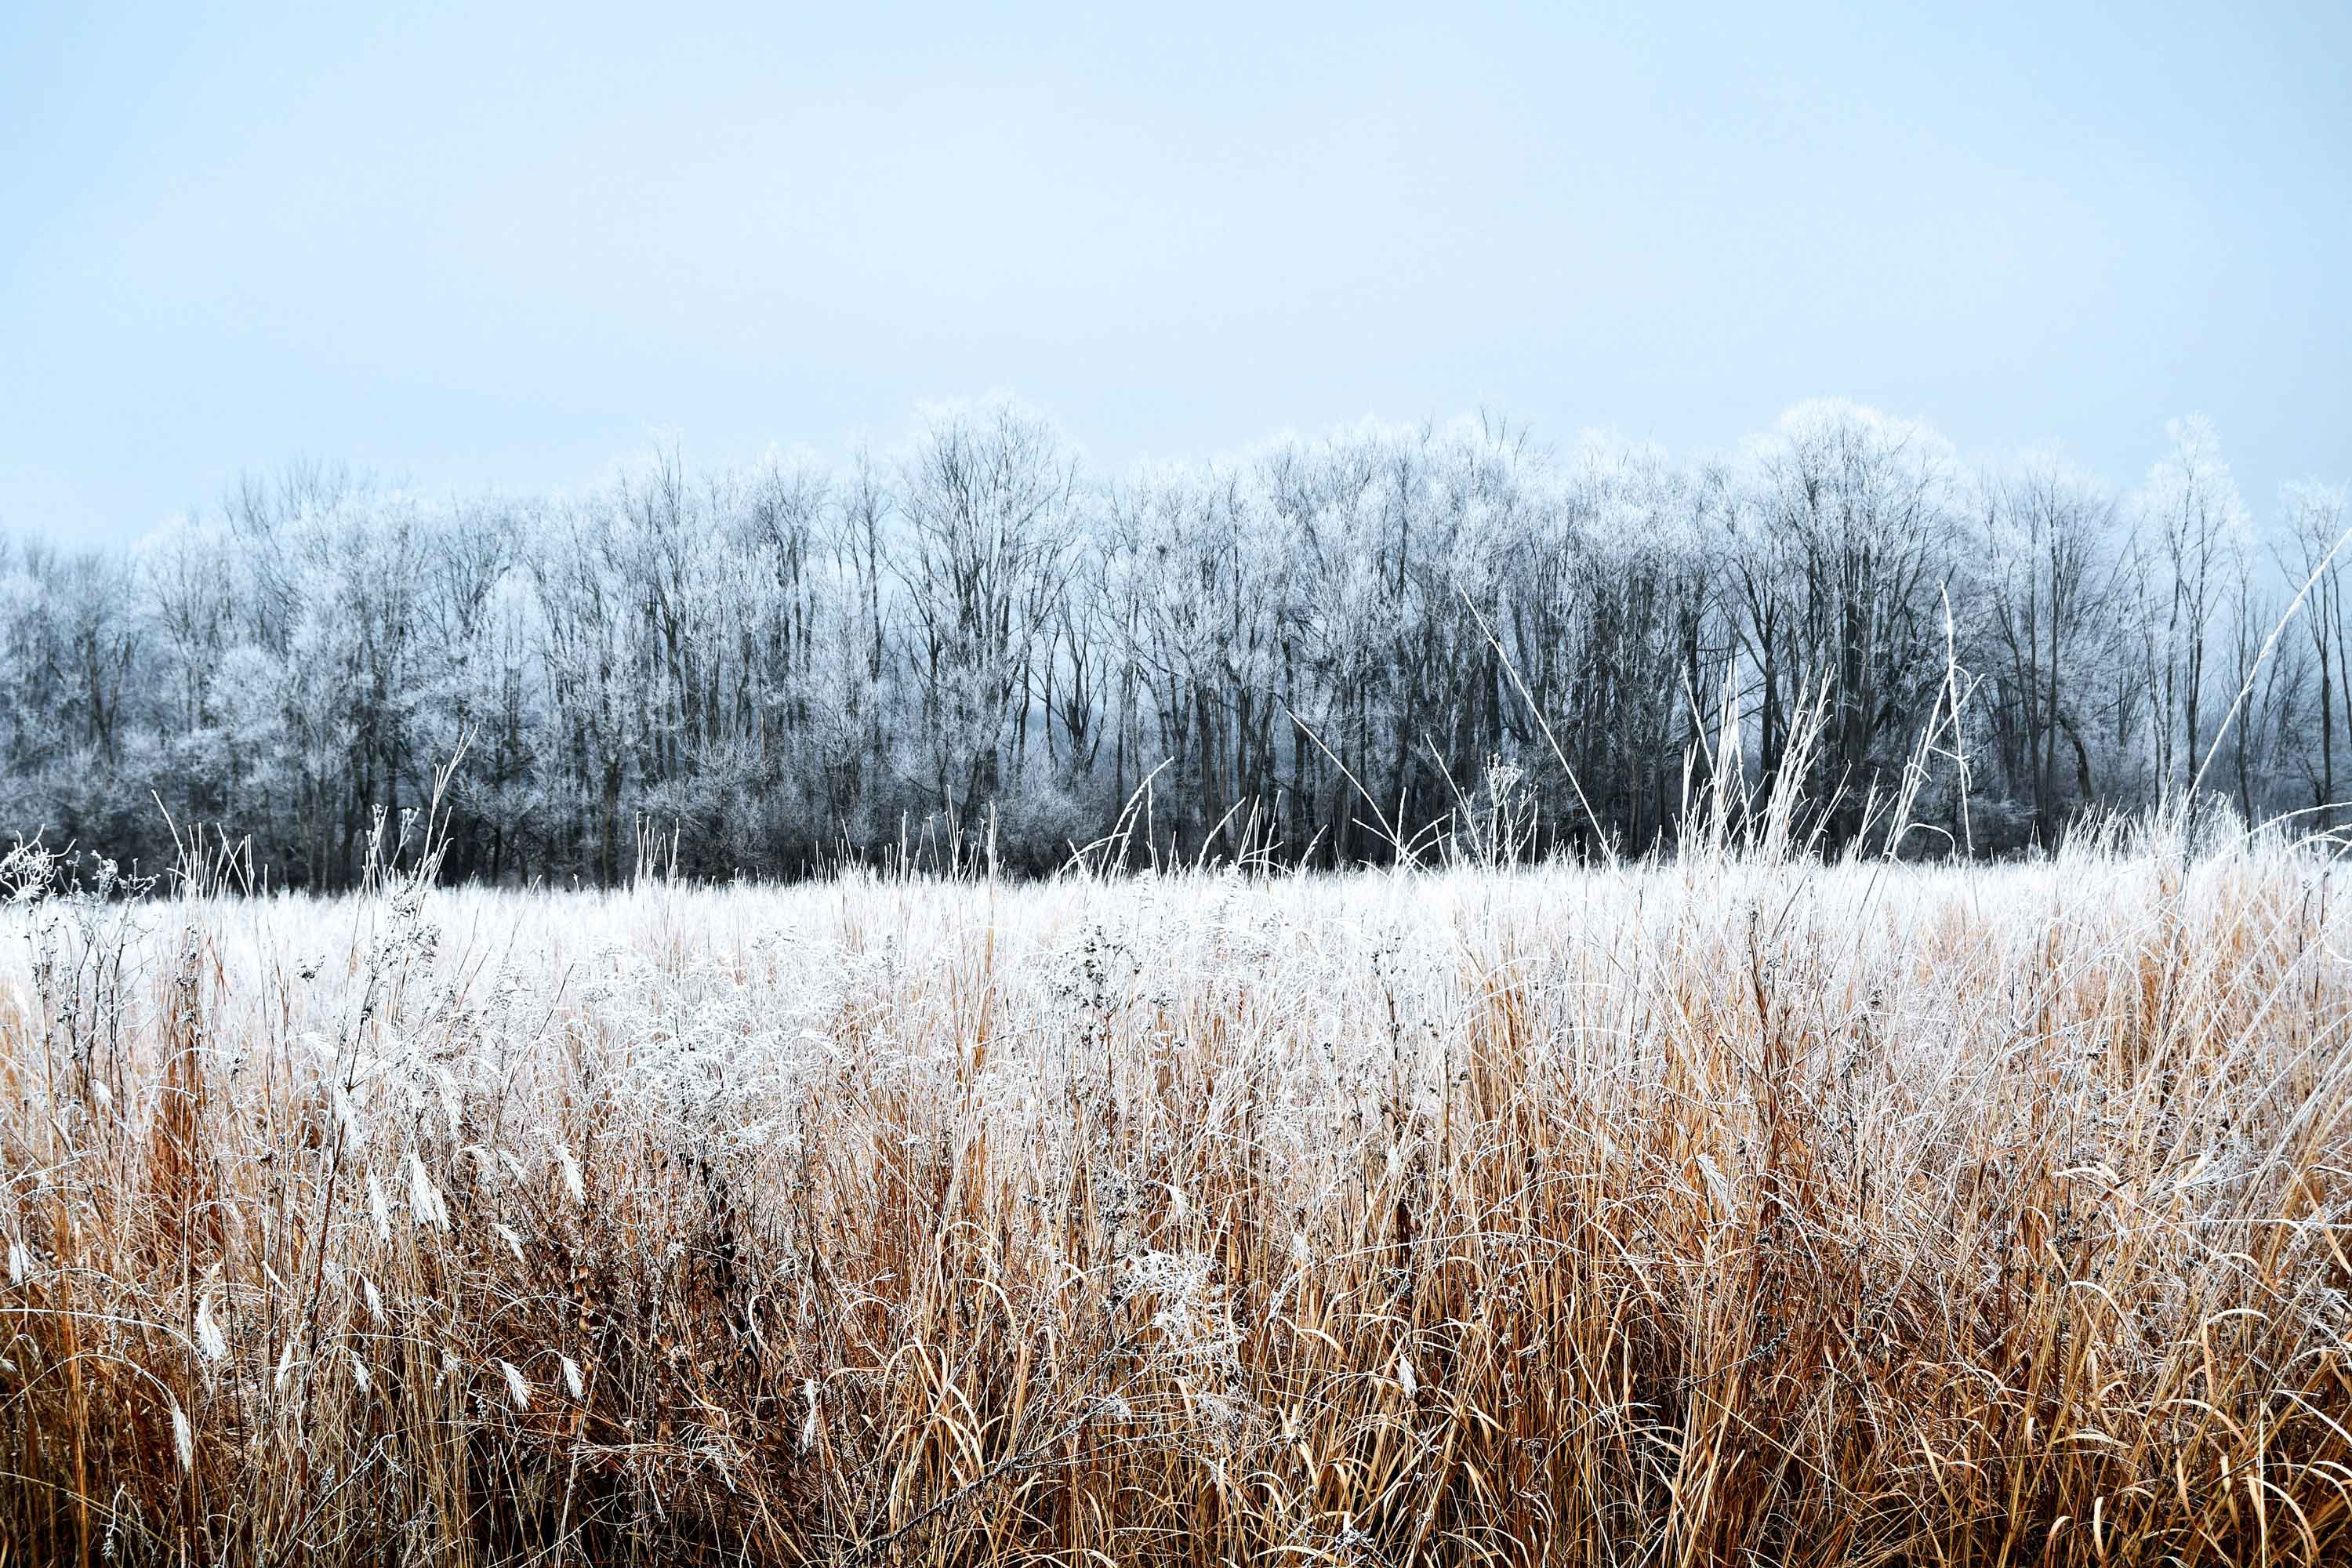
(508, 245)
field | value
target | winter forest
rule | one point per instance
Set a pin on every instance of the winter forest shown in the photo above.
(1324, 652)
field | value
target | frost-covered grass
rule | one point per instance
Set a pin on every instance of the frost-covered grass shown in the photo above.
(1720, 1211)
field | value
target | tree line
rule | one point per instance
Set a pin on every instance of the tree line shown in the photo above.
(1325, 650)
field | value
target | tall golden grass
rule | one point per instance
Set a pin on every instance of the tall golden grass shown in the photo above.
(1735, 1210)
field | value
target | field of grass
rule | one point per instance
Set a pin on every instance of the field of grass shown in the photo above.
(1737, 1210)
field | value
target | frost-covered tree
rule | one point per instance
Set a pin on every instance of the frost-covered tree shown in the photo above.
(2196, 530)
(986, 550)
(1845, 544)
(2047, 598)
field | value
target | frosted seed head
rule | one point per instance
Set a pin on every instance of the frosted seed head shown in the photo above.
(573, 1186)
(211, 1343)
(346, 1112)
(425, 1200)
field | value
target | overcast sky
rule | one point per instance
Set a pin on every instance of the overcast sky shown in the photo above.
(508, 245)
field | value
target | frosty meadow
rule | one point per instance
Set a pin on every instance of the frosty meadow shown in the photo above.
(1618, 840)
(1376, 1002)
(1737, 1208)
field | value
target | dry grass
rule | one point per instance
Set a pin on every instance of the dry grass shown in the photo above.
(1726, 1212)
